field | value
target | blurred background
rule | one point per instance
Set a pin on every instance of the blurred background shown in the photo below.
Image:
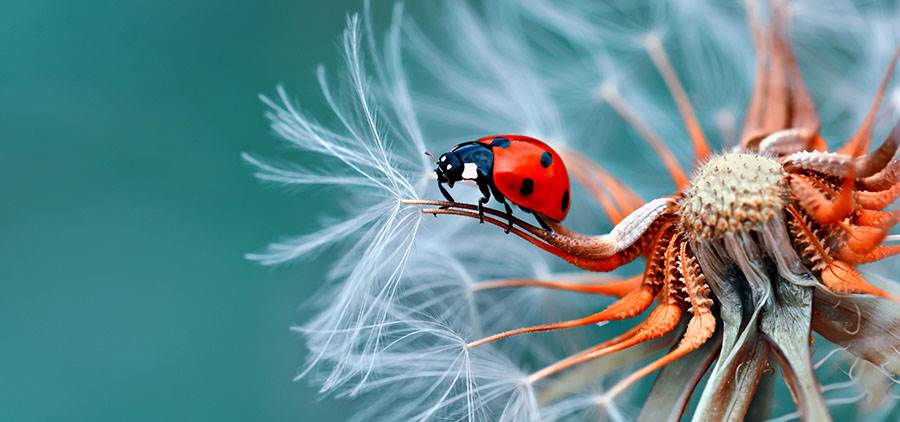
(127, 210)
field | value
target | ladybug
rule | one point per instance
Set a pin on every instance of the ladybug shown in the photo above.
(521, 169)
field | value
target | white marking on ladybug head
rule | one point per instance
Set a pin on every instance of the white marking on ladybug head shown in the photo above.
(470, 171)
(443, 158)
(449, 166)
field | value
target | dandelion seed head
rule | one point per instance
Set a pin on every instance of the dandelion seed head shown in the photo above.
(406, 294)
(733, 193)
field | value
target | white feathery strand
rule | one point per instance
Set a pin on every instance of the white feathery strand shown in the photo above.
(403, 108)
(373, 160)
(272, 173)
(401, 297)
(297, 129)
(328, 146)
(354, 62)
(278, 253)
(344, 304)
(386, 293)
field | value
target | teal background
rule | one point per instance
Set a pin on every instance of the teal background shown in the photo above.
(126, 209)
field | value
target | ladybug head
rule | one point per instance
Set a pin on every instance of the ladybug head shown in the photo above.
(449, 168)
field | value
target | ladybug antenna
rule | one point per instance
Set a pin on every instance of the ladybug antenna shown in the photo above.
(432, 157)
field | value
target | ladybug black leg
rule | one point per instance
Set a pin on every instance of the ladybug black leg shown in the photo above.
(481, 203)
(500, 198)
(486, 196)
(543, 223)
(445, 193)
(509, 214)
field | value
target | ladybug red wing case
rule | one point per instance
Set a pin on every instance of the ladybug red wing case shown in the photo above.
(530, 174)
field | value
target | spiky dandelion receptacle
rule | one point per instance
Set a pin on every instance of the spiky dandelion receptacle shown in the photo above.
(752, 301)
(733, 193)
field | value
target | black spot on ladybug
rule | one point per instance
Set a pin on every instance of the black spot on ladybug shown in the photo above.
(546, 159)
(500, 142)
(527, 186)
(565, 201)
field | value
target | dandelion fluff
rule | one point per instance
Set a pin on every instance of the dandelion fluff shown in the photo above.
(407, 292)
